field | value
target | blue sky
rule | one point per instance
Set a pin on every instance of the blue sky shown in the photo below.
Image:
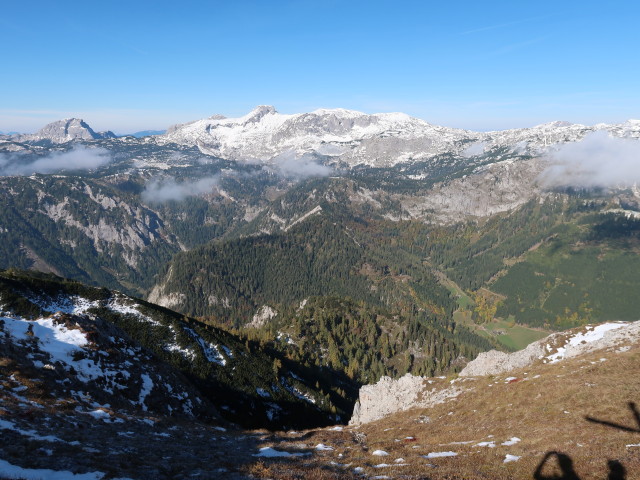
(128, 66)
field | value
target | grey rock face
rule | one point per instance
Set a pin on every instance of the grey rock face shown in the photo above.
(68, 130)
(394, 395)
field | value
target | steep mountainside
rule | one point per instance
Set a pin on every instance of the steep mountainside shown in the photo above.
(81, 228)
(93, 345)
(569, 413)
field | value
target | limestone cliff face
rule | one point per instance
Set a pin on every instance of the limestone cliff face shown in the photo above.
(394, 395)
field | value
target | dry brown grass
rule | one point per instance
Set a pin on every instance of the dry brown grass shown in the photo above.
(548, 413)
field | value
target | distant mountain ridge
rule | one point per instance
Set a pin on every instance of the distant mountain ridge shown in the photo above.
(146, 133)
(356, 138)
(338, 135)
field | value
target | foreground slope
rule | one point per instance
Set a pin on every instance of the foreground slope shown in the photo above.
(93, 345)
(570, 414)
(565, 403)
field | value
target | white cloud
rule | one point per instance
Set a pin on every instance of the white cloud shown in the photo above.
(598, 160)
(79, 158)
(158, 191)
(474, 149)
(289, 164)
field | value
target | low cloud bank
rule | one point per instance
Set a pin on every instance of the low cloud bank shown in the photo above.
(158, 191)
(289, 164)
(474, 149)
(598, 160)
(79, 158)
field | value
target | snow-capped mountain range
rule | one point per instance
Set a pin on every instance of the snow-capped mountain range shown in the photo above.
(351, 137)
(381, 139)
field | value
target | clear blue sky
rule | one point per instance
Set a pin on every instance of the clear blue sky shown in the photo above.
(136, 65)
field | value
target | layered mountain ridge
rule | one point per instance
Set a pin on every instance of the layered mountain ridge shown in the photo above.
(346, 136)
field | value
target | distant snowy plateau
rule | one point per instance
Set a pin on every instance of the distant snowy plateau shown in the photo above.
(355, 138)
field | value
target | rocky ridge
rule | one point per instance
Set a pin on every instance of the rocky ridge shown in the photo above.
(356, 138)
(335, 136)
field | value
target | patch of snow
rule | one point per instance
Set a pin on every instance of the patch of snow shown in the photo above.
(323, 447)
(440, 454)
(269, 452)
(185, 352)
(511, 441)
(379, 453)
(145, 389)
(66, 304)
(591, 335)
(297, 392)
(100, 414)
(486, 444)
(7, 425)
(510, 458)
(7, 470)
(263, 393)
(59, 342)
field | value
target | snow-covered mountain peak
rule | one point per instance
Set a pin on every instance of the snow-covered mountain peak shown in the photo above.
(558, 123)
(375, 139)
(262, 110)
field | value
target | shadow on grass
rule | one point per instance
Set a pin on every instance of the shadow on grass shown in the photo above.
(564, 464)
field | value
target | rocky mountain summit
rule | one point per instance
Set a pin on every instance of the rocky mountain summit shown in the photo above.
(63, 131)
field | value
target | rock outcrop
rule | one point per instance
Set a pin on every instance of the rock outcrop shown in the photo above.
(394, 395)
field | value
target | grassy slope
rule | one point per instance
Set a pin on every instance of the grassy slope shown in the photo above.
(547, 412)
